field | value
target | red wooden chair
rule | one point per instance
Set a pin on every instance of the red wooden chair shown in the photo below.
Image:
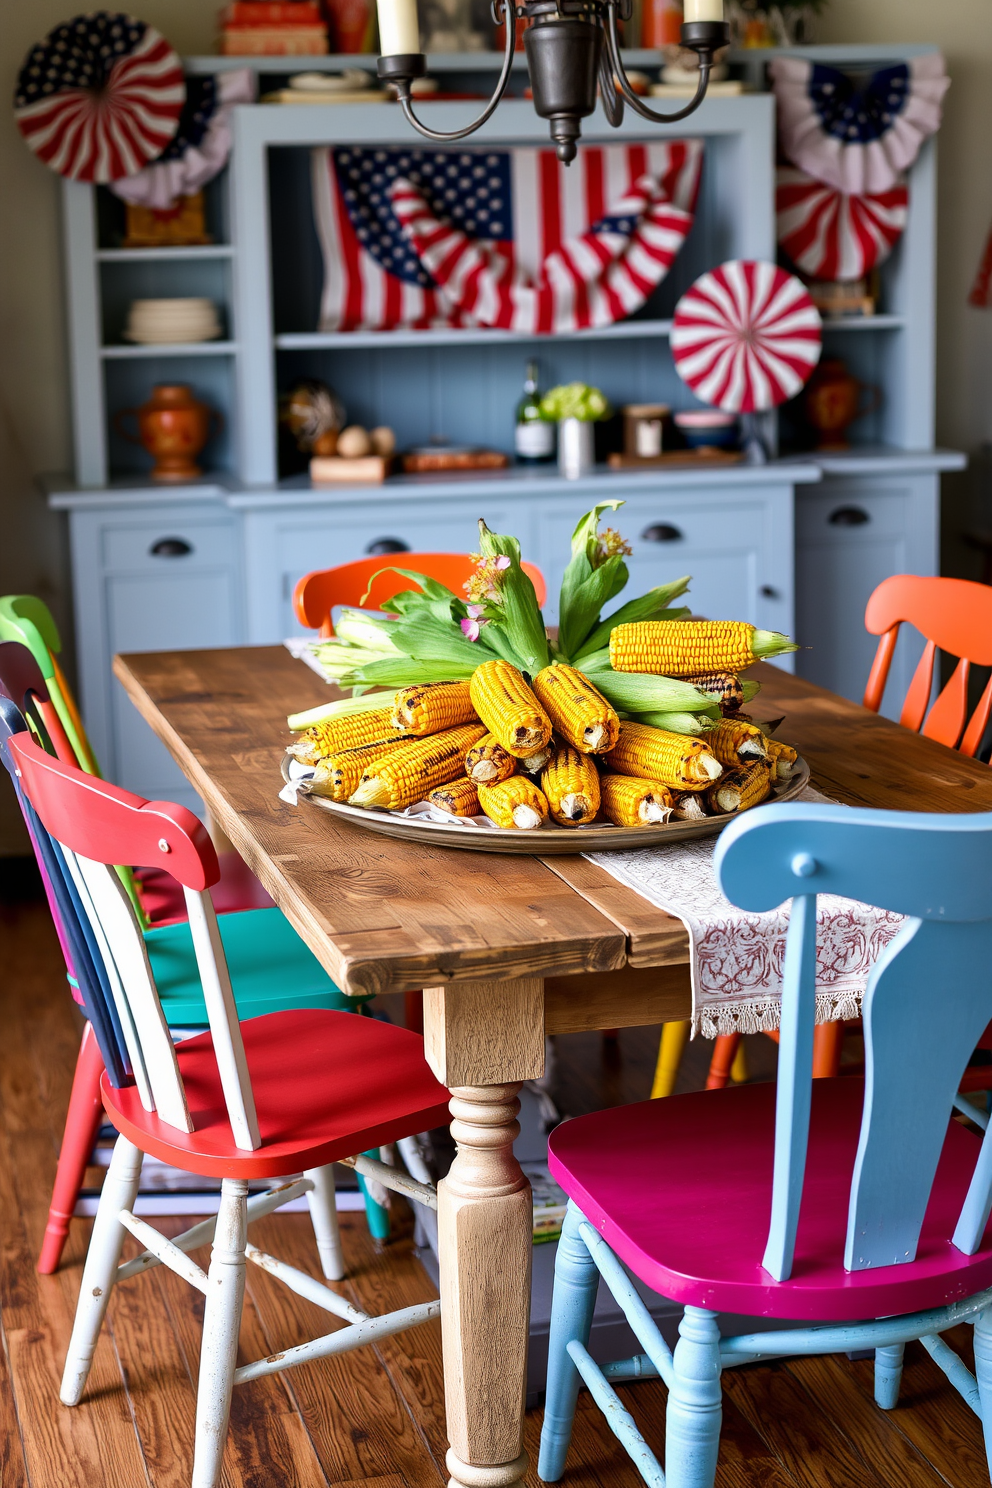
(319, 593)
(953, 615)
(272, 1097)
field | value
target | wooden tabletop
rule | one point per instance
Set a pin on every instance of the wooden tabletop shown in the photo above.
(388, 916)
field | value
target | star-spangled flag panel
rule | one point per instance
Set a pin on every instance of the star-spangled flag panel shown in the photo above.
(421, 237)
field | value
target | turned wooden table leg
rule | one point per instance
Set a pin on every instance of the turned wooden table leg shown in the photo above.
(482, 1040)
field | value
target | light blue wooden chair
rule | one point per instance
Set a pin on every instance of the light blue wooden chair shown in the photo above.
(859, 1206)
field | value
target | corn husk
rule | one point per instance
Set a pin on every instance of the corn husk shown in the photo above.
(637, 692)
(340, 708)
(518, 632)
(676, 723)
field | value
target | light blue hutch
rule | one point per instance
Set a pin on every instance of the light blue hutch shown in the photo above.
(796, 545)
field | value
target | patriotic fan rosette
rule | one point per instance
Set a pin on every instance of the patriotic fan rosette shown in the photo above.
(100, 97)
(857, 137)
(746, 336)
(830, 235)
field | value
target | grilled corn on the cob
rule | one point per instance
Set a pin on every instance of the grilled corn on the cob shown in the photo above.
(577, 709)
(535, 763)
(509, 709)
(514, 803)
(412, 773)
(570, 782)
(727, 686)
(460, 797)
(741, 788)
(684, 648)
(337, 775)
(690, 806)
(677, 760)
(735, 742)
(629, 802)
(781, 757)
(348, 732)
(429, 707)
(487, 762)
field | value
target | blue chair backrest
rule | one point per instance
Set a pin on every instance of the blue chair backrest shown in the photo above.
(88, 969)
(929, 998)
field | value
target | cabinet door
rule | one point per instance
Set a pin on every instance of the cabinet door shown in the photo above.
(282, 547)
(736, 550)
(850, 535)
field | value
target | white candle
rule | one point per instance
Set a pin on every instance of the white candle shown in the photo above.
(696, 10)
(399, 30)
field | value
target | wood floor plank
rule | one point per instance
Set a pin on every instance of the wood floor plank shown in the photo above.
(932, 1415)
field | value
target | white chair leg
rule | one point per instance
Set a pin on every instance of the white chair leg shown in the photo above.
(120, 1187)
(694, 1413)
(324, 1217)
(888, 1375)
(221, 1324)
(983, 1376)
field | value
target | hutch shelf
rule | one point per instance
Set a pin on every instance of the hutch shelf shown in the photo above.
(796, 545)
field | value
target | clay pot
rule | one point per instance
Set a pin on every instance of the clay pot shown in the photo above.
(834, 399)
(173, 427)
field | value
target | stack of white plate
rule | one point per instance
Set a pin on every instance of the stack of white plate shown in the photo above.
(165, 322)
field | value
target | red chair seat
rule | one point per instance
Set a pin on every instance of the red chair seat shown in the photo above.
(163, 901)
(327, 1085)
(681, 1190)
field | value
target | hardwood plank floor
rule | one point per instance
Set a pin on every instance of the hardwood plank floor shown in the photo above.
(375, 1418)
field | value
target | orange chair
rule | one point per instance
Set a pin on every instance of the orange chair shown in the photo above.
(953, 615)
(317, 594)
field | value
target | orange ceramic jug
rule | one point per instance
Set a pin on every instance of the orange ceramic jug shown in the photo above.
(173, 427)
(833, 402)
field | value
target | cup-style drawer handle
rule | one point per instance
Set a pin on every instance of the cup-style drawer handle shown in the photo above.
(661, 532)
(387, 545)
(848, 516)
(170, 547)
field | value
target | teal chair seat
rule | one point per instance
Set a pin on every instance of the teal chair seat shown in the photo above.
(271, 969)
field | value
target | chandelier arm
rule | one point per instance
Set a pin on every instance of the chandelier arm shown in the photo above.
(705, 62)
(406, 102)
(611, 100)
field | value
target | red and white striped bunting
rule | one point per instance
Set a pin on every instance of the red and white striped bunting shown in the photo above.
(746, 336)
(830, 235)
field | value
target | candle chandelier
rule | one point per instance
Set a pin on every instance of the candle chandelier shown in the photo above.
(572, 49)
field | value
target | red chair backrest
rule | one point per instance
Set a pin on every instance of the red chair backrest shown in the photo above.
(955, 615)
(318, 593)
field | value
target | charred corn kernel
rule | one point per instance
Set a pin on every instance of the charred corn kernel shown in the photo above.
(535, 763)
(690, 807)
(727, 686)
(746, 786)
(684, 648)
(413, 772)
(429, 707)
(635, 803)
(735, 742)
(570, 781)
(337, 775)
(679, 761)
(782, 758)
(577, 709)
(460, 797)
(509, 709)
(349, 732)
(487, 761)
(514, 803)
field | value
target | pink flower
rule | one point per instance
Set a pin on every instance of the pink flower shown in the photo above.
(501, 563)
(471, 628)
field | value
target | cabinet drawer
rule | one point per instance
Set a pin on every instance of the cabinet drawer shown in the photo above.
(853, 516)
(167, 545)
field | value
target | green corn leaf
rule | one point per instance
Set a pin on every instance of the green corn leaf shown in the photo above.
(402, 671)
(433, 597)
(361, 629)
(654, 605)
(677, 723)
(425, 639)
(340, 708)
(521, 621)
(577, 607)
(637, 692)
(595, 661)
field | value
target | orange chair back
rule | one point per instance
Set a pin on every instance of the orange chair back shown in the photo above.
(954, 615)
(317, 593)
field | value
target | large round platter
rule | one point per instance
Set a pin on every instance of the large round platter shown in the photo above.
(543, 841)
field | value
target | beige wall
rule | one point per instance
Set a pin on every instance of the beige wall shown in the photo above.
(34, 410)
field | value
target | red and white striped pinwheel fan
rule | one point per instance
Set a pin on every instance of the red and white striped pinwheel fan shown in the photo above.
(746, 336)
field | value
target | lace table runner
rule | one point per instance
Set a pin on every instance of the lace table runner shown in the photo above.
(736, 957)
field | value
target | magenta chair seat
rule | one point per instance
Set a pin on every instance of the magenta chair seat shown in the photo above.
(681, 1191)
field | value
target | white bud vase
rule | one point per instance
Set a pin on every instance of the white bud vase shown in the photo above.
(576, 447)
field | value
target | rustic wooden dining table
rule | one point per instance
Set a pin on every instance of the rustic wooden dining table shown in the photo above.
(506, 949)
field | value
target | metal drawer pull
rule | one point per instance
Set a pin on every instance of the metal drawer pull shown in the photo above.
(848, 516)
(387, 545)
(661, 532)
(170, 547)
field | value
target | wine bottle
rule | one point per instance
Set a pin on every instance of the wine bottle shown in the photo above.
(534, 436)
